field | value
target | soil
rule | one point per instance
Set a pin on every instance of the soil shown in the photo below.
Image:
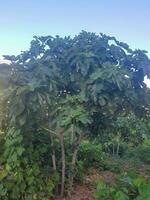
(87, 190)
(143, 169)
(83, 193)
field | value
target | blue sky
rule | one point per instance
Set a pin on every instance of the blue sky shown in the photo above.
(128, 20)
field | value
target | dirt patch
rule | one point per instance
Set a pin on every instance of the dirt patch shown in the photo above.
(87, 190)
(95, 176)
(92, 177)
(83, 193)
(109, 177)
(143, 170)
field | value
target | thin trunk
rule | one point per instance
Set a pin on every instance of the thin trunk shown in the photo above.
(72, 135)
(108, 149)
(53, 159)
(118, 149)
(113, 149)
(52, 146)
(53, 154)
(54, 168)
(72, 167)
(63, 165)
(21, 196)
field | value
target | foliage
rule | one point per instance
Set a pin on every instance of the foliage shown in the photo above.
(127, 188)
(57, 93)
(140, 153)
(107, 192)
(90, 154)
(144, 154)
(80, 170)
(21, 174)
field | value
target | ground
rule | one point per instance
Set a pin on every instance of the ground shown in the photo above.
(87, 190)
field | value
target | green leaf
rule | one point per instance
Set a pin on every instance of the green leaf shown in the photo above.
(3, 174)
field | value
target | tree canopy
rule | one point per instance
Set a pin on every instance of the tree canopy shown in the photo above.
(69, 88)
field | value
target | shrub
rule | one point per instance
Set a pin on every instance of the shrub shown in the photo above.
(113, 164)
(79, 171)
(22, 176)
(91, 154)
(144, 154)
(136, 188)
(141, 152)
(106, 192)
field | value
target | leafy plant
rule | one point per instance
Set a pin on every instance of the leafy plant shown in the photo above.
(56, 94)
(127, 188)
(107, 192)
(90, 153)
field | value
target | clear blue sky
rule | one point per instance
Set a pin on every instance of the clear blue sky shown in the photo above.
(128, 20)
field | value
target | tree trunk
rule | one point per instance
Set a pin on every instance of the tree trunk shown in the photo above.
(53, 154)
(63, 165)
(72, 167)
(54, 161)
(72, 135)
(51, 134)
(21, 196)
(118, 149)
(113, 149)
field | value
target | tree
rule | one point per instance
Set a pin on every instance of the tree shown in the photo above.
(69, 87)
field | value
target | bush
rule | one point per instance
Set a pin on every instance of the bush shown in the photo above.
(144, 154)
(24, 174)
(113, 164)
(79, 172)
(91, 154)
(106, 192)
(140, 153)
(128, 187)
(115, 148)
